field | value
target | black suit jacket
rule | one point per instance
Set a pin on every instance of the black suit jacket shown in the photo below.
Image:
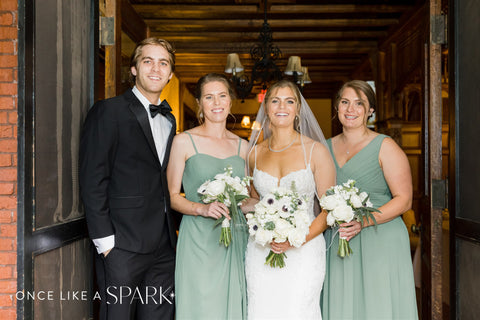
(123, 184)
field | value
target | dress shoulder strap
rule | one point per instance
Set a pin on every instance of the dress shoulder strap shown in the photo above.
(311, 152)
(239, 145)
(193, 143)
(304, 152)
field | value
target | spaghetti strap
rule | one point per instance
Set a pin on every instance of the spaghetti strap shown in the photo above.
(193, 143)
(304, 152)
(239, 145)
(311, 152)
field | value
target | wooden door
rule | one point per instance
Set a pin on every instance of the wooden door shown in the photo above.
(464, 186)
(431, 219)
(56, 80)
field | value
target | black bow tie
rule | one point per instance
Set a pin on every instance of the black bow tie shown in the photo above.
(163, 108)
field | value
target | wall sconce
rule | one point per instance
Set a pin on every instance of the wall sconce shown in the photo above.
(256, 126)
(245, 122)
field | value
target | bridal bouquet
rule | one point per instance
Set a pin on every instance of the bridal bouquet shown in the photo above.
(281, 215)
(344, 203)
(228, 190)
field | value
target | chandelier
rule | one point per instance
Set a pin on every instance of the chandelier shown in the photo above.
(264, 70)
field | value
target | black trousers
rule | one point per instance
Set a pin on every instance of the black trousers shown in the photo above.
(137, 286)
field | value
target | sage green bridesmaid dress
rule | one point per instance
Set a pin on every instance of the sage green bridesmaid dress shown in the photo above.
(376, 281)
(209, 278)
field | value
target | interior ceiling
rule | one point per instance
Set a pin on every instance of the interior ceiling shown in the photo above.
(332, 37)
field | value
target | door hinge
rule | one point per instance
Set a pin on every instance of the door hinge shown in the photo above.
(107, 31)
(438, 28)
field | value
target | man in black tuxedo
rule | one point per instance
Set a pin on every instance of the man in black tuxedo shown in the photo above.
(124, 152)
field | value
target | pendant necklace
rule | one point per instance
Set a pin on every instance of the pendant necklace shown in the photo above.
(348, 151)
(289, 145)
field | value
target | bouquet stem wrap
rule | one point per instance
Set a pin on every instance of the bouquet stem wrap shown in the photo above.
(344, 249)
(276, 260)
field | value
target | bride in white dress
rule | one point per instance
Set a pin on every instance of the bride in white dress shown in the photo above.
(292, 150)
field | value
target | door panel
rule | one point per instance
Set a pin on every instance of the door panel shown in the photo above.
(464, 27)
(56, 79)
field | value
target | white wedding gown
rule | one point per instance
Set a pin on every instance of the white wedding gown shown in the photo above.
(291, 292)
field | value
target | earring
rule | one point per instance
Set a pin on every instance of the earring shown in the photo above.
(296, 123)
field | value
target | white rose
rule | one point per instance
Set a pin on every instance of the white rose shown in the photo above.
(297, 237)
(369, 204)
(215, 188)
(343, 213)
(282, 228)
(263, 236)
(330, 219)
(356, 201)
(331, 202)
(302, 220)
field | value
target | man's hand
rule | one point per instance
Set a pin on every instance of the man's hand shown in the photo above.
(105, 254)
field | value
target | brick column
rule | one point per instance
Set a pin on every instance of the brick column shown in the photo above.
(8, 157)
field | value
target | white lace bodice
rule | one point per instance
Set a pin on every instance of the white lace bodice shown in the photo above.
(303, 179)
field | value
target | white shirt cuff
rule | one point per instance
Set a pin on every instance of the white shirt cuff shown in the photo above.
(104, 244)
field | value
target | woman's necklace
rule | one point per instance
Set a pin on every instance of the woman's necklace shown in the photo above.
(364, 136)
(289, 145)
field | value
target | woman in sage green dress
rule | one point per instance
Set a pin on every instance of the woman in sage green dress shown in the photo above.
(376, 281)
(209, 277)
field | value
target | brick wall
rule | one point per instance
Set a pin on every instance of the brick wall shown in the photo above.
(8, 157)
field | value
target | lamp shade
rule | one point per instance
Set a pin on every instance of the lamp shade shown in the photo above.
(305, 78)
(294, 65)
(233, 63)
(245, 122)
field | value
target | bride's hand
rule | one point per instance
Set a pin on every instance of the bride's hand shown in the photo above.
(350, 229)
(215, 210)
(248, 205)
(280, 247)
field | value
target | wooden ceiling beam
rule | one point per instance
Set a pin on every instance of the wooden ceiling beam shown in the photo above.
(292, 48)
(278, 36)
(206, 60)
(166, 11)
(132, 23)
(196, 24)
